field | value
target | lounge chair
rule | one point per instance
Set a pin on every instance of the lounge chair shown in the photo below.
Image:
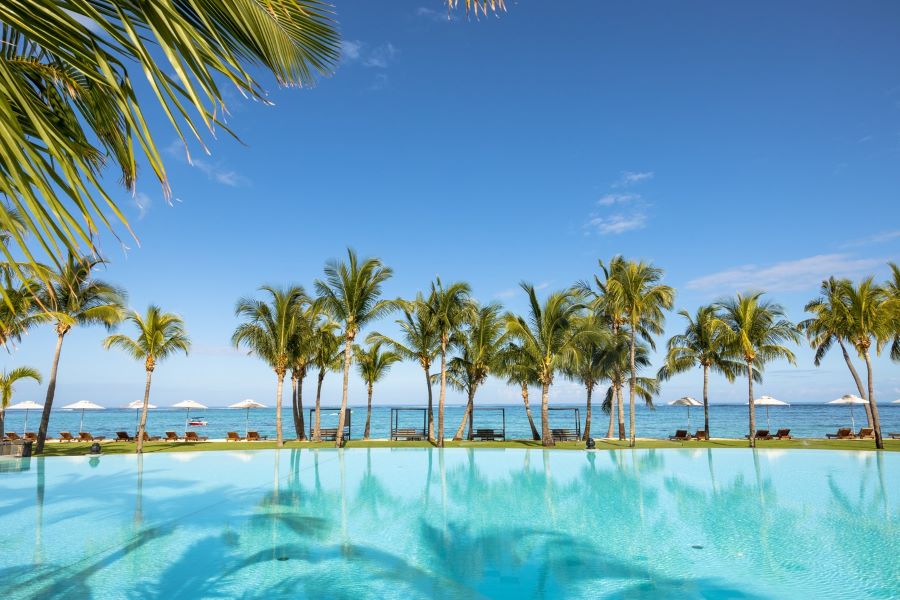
(253, 436)
(894, 435)
(866, 433)
(681, 435)
(844, 433)
(761, 434)
(149, 438)
(701, 435)
(31, 436)
(122, 436)
(171, 436)
(232, 436)
(84, 436)
(783, 434)
(12, 436)
(191, 436)
(65, 436)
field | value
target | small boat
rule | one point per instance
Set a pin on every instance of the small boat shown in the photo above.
(196, 423)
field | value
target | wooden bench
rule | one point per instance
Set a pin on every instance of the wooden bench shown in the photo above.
(329, 434)
(564, 435)
(408, 434)
(488, 435)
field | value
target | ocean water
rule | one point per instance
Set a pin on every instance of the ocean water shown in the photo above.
(456, 523)
(726, 420)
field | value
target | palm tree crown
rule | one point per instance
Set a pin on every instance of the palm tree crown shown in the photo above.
(159, 336)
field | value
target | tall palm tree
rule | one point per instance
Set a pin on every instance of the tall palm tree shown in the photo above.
(373, 364)
(830, 323)
(547, 338)
(704, 343)
(301, 356)
(615, 365)
(419, 341)
(326, 357)
(636, 288)
(758, 331)
(892, 289)
(871, 322)
(267, 332)
(480, 345)
(587, 366)
(7, 384)
(518, 368)
(74, 298)
(449, 307)
(159, 335)
(351, 293)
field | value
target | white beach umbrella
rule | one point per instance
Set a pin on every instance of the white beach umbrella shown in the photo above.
(768, 401)
(26, 406)
(82, 405)
(188, 405)
(247, 404)
(137, 405)
(850, 400)
(686, 401)
(896, 402)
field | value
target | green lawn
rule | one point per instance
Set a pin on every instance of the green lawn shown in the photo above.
(74, 449)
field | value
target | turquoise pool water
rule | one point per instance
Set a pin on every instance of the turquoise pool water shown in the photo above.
(422, 523)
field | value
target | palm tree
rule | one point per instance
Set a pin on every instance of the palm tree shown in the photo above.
(449, 307)
(614, 367)
(301, 356)
(703, 344)
(516, 365)
(18, 312)
(159, 335)
(7, 383)
(758, 330)
(829, 324)
(871, 321)
(480, 345)
(547, 340)
(351, 293)
(327, 357)
(588, 365)
(892, 289)
(74, 298)
(267, 332)
(420, 342)
(636, 288)
(373, 364)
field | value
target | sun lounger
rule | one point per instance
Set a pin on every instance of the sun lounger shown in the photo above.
(866, 433)
(894, 435)
(783, 434)
(844, 433)
(122, 436)
(12, 436)
(65, 436)
(564, 435)
(191, 436)
(31, 436)
(171, 436)
(761, 434)
(232, 436)
(150, 438)
(84, 436)
(253, 436)
(681, 435)
(701, 435)
(488, 435)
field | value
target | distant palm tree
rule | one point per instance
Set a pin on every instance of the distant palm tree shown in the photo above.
(704, 343)
(892, 289)
(587, 366)
(830, 323)
(871, 319)
(518, 368)
(7, 383)
(479, 345)
(301, 356)
(636, 288)
(326, 357)
(373, 364)
(351, 293)
(547, 339)
(757, 334)
(267, 332)
(159, 335)
(19, 312)
(420, 342)
(75, 298)
(616, 364)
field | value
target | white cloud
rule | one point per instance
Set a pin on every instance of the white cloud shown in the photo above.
(787, 276)
(632, 177)
(878, 238)
(143, 203)
(381, 56)
(380, 82)
(618, 223)
(434, 15)
(610, 199)
(350, 50)
(214, 171)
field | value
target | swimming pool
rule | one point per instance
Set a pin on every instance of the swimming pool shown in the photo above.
(424, 523)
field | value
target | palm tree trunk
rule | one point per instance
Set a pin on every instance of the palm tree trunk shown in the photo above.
(317, 422)
(430, 410)
(294, 404)
(279, 434)
(467, 416)
(368, 415)
(545, 415)
(620, 405)
(301, 423)
(631, 391)
(339, 438)
(534, 432)
(48, 402)
(876, 421)
(2, 422)
(706, 400)
(610, 431)
(443, 394)
(750, 405)
(859, 383)
(587, 413)
(139, 447)
(472, 414)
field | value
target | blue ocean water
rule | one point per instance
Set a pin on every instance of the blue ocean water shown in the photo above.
(726, 420)
(425, 523)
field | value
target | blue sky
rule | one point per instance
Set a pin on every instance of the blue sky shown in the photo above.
(738, 146)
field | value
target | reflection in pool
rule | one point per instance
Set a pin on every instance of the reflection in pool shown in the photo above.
(423, 523)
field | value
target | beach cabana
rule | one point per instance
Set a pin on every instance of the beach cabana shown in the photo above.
(188, 405)
(686, 401)
(247, 404)
(82, 405)
(26, 406)
(850, 400)
(137, 405)
(404, 431)
(487, 434)
(330, 433)
(563, 434)
(768, 401)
